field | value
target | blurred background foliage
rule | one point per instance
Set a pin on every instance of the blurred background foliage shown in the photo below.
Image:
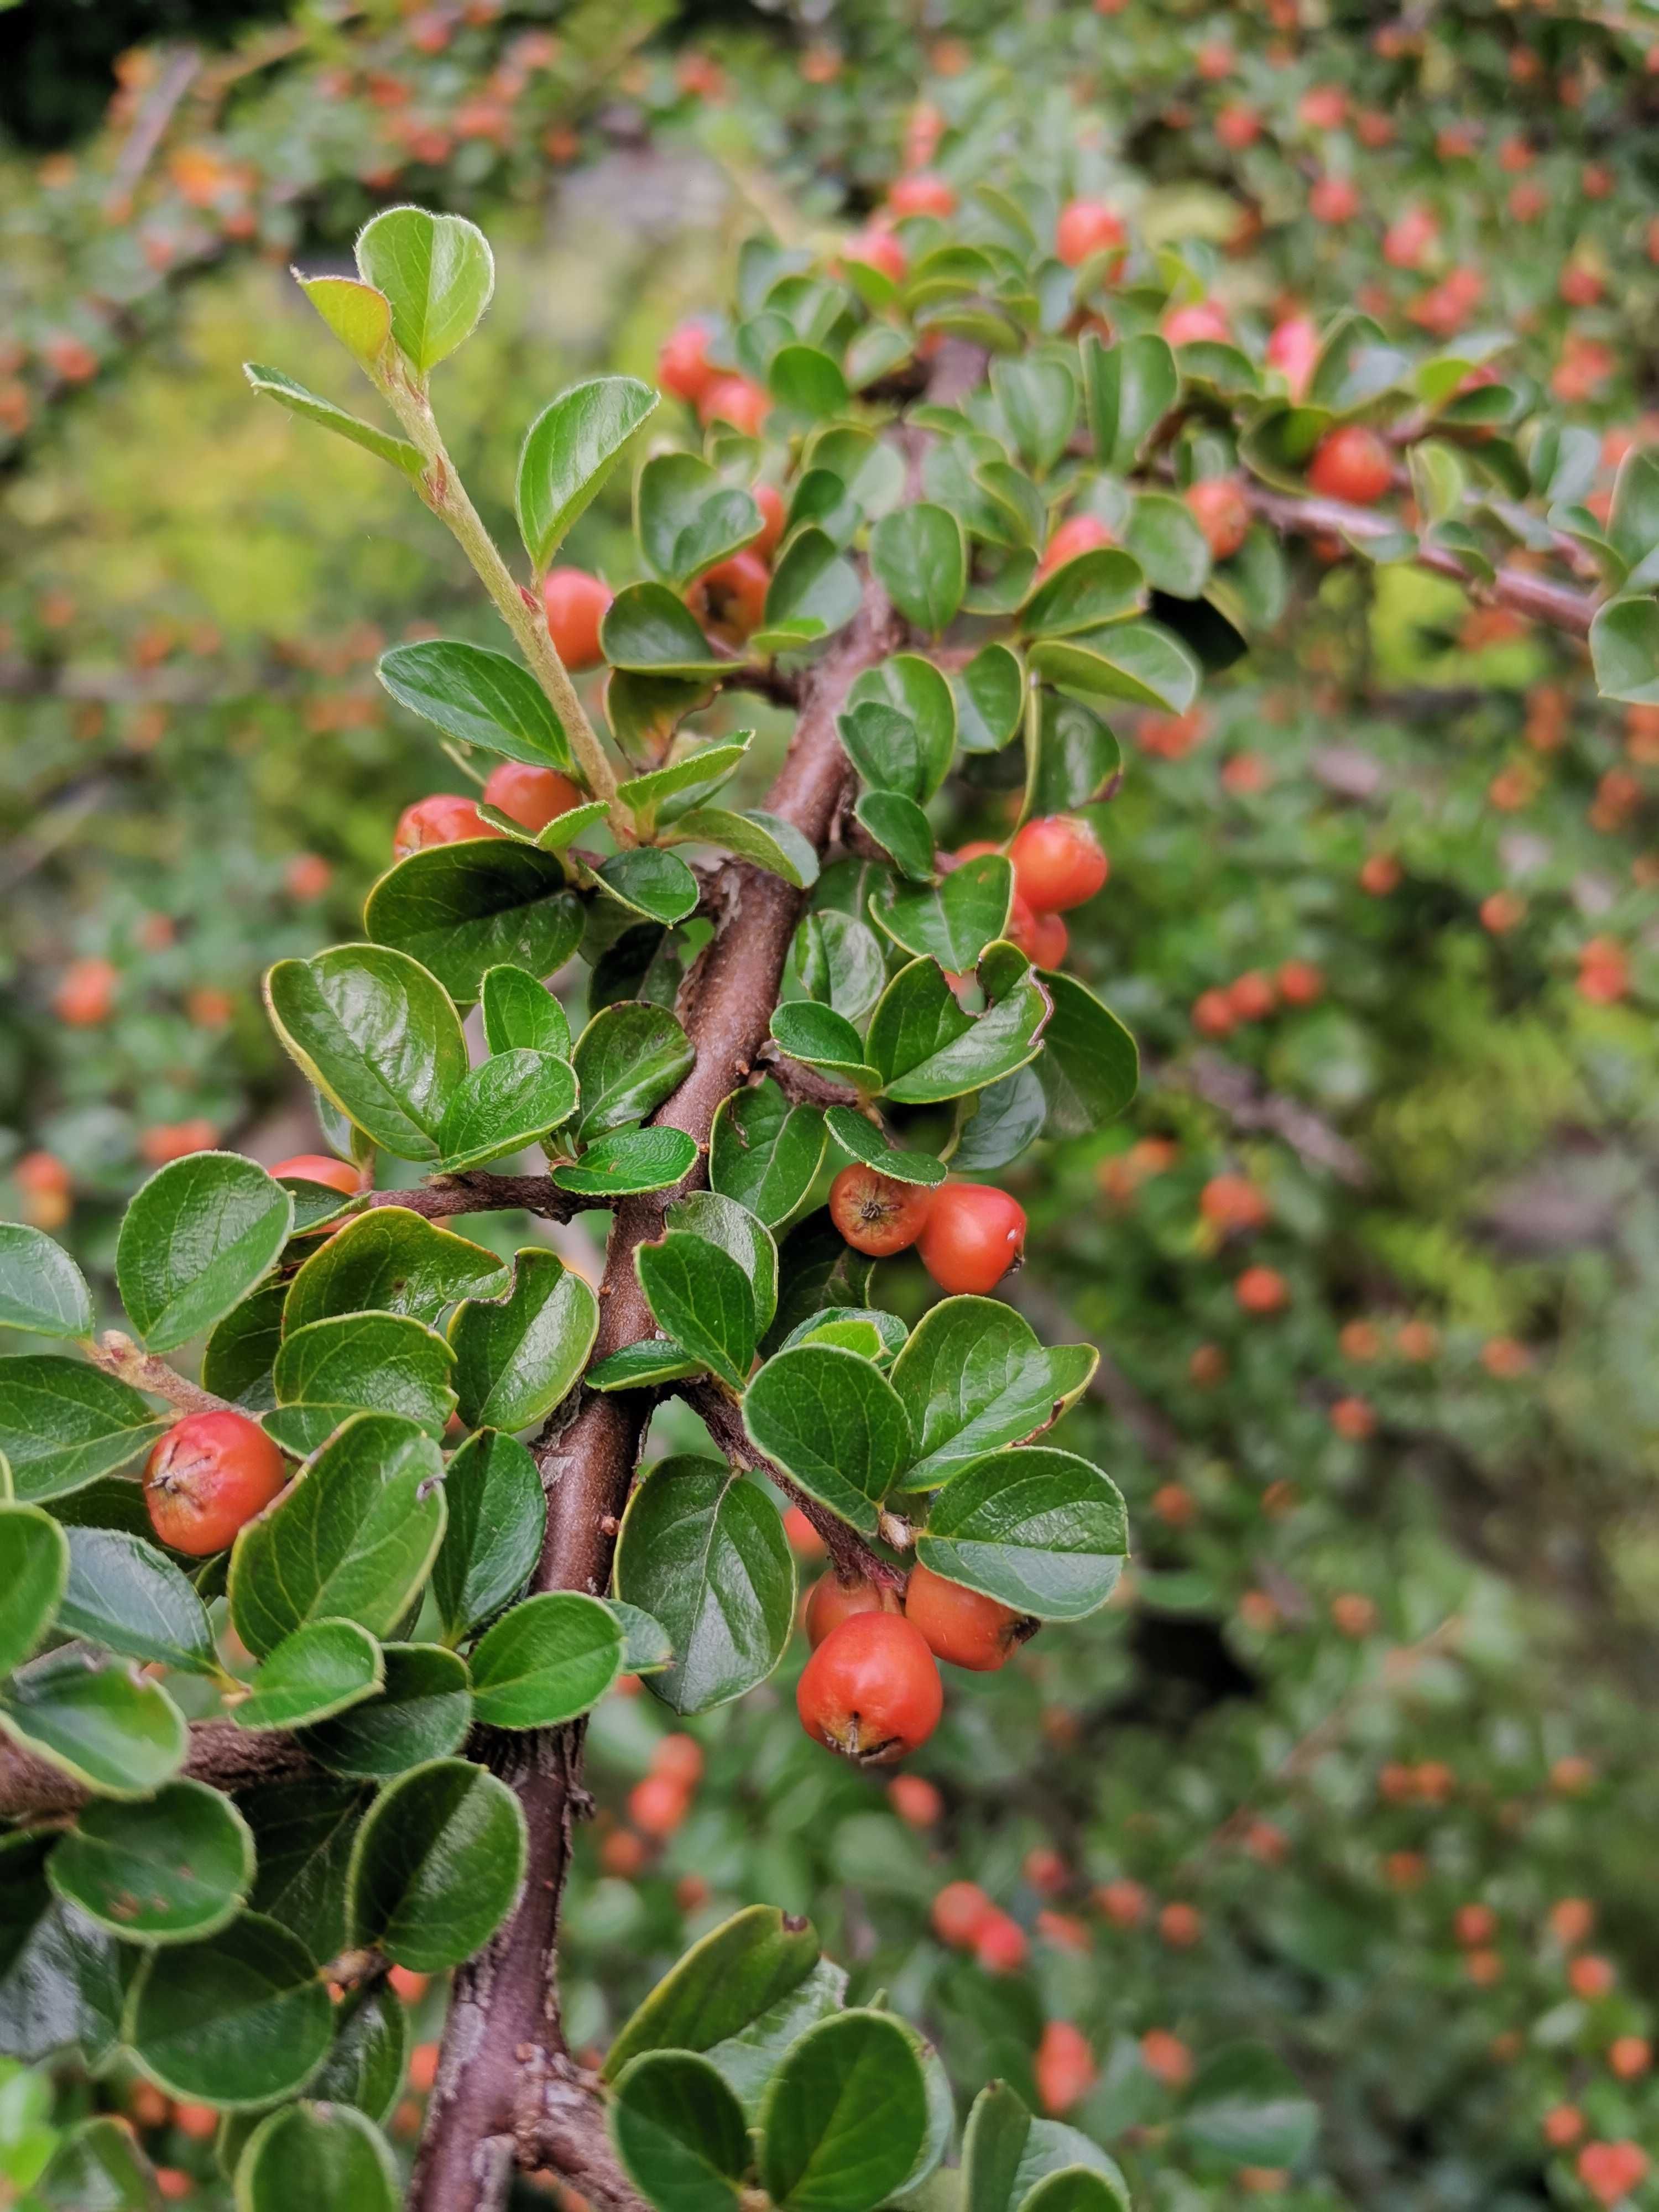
(1375, 1258)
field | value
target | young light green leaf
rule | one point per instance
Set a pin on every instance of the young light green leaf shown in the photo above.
(478, 697)
(168, 1871)
(359, 316)
(516, 1357)
(696, 775)
(546, 1661)
(197, 1236)
(384, 446)
(493, 1536)
(834, 1423)
(41, 1289)
(1038, 1529)
(438, 274)
(569, 450)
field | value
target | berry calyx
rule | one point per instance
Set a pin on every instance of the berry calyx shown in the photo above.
(533, 796)
(576, 603)
(445, 818)
(321, 1167)
(1353, 464)
(1086, 227)
(973, 1235)
(730, 599)
(871, 1690)
(877, 1213)
(210, 1474)
(962, 1625)
(1057, 863)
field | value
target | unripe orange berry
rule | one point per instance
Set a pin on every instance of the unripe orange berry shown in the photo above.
(575, 604)
(532, 797)
(211, 1473)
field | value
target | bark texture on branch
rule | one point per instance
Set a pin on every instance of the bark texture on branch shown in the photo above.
(220, 1753)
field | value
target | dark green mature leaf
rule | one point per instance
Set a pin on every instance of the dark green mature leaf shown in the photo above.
(60, 1974)
(926, 1048)
(34, 1569)
(378, 1036)
(974, 1377)
(990, 696)
(130, 1597)
(97, 2166)
(1037, 395)
(364, 2067)
(917, 689)
(812, 584)
(317, 2154)
(703, 1550)
(631, 1160)
(463, 909)
(521, 1013)
(351, 1539)
(1625, 650)
(1090, 1068)
(569, 450)
(846, 2116)
(547, 1661)
(864, 1139)
(833, 1422)
(100, 1724)
(504, 1104)
(839, 961)
(319, 1670)
(273, 384)
(1163, 535)
(651, 882)
(1246, 2105)
(1128, 389)
(921, 559)
(703, 1298)
(168, 1871)
(997, 1124)
(740, 1234)
(438, 274)
(241, 1350)
(646, 1647)
(819, 1037)
(237, 2020)
(1006, 2156)
(688, 517)
(884, 747)
(197, 1237)
(1039, 1529)
(1137, 660)
(748, 2060)
(764, 1151)
(64, 1424)
(679, 2132)
(304, 1832)
(517, 1357)
(641, 1366)
(421, 1710)
(645, 628)
(903, 831)
(493, 1536)
(1076, 757)
(359, 1362)
(817, 1269)
(393, 1260)
(628, 1059)
(1077, 2189)
(477, 697)
(952, 921)
(1101, 586)
(437, 1865)
(736, 1973)
(754, 835)
(41, 1289)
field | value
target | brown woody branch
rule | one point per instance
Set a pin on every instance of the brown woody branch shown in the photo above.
(220, 1753)
(478, 1192)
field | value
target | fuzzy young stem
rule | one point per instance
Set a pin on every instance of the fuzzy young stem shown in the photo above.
(120, 1356)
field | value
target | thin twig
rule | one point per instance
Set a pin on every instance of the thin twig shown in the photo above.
(120, 1356)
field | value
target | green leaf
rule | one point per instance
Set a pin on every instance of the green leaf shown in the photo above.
(1625, 651)
(689, 518)
(952, 921)
(493, 1536)
(569, 450)
(812, 584)
(885, 748)
(703, 1298)
(463, 909)
(679, 2132)
(919, 558)
(1077, 2189)
(902, 830)
(364, 2067)
(438, 274)
(1164, 536)
(694, 776)
(738, 1233)
(130, 1597)
(237, 2020)
(834, 1423)
(736, 1973)
(394, 1261)
(304, 1832)
(645, 628)
(1037, 395)
(764, 1151)
(352, 1538)
(34, 1568)
(974, 1377)
(320, 1669)
(754, 835)
(118, 1735)
(651, 882)
(641, 1366)
(359, 1362)
(197, 1237)
(998, 1123)
(866, 1140)
(359, 316)
(517, 1357)
(273, 384)
(839, 961)
(846, 2116)
(805, 380)
(41, 1289)
(1076, 757)
(630, 1161)
(1101, 586)
(703, 1551)
(1128, 389)
(319, 2155)
(1139, 661)
(437, 1865)
(60, 1976)
(819, 1037)
(629, 1058)
(97, 2166)
(520, 1014)
(168, 1871)
(926, 1048)
(748, 2060)
(422, 1710)
(64, 1424)
(547, 1661)
(818, 1271)
(646, 1647)
(1038, 1529)
(378, 1036)
(504, 1104)
(1090, 1068)
(990, 696)
(1246, 2105)
(917, 689)
(477, 697)
(1007, 2156)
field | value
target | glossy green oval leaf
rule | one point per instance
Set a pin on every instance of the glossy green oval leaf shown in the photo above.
(953, 921)
(730, 1978)
(703, 1298)
(1246, 2105)
(696, 775)
(171, 1870)
(507, 1103)
(41, 1289)
(64, 1424)
(378, 1036)
(998, 1123)
(34, 1571)
(237, 2020)
(394, 1261)
(688, 517)
(651, 882)
(97, 2166)
(569, 450)
(926, 1048)
(197, 1237)
(846, 2116)
(833, 1423)
(322, 2155)
(974, 1377)
(862, 1139)
(739, 1233)
(351, 1539)
(648, 630)
(1164, 536)
(101, 1724)
(437, 273)
(1076, 757)
(1077, 2189)
(990, 696)
(812, 585)
(1625, 650)
(679, 2132)
(753, 834)
(917, 689)
(521, 1013)
(1038, 1529)
(902, 830)
(516, 1357)
(127, 1596)
(1036, 395)
(304, 1831)
(646, 1647)
(547, 1661)
(703, 1550)
(463, 909)
(884, 746)
(366, 2061)
(840, 962)
(320, 1669)
(492, 1539)
(422, 1710)
(643, 1365)
(819, 1037)
(436, 1865)
(1101, 586)
(1128, 388)
(271, 384)
(628, 1059)
(1090, 1068)
(1135, 660)
(764, 1151)
(477, 697)
(919, 558)
(359, 1362)
(630, 1161)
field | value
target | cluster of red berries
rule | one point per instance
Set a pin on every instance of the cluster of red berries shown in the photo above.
(657, 1805)
(968, 1235)
(1256, 995)
(1058, 863)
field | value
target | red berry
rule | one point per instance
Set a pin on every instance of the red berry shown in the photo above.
(683, 364)
(730, 599)
(1200, 323)
(445, 818)
(533, 796)
(1563, 2125)
(659, 1804)
(832, 1600)
(680, 1757)
(960, 1625)
(1082, 533)
(1166, 2057)
(1057, 863)
(880, 250)
(877, 1213)
(871, 1691)
(1065, 2066)
(321, 1167)
(1181, 1926)
(923, 194)
(804, 1539)
(86, 994)
(1300, 983)
(576, 605)
(1233, 1202)
(206, 1476)
(1261, 1291)
(973, 1236)
(1222, 512)
(769, 500)
(735, 400)
(1042, 938)
(1123, 1902)
(915, 1800)
(1353, 464)
(1292, 349)
(959, 1911)
(1000, 1946)
(1334, 200)
(1086, 227)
